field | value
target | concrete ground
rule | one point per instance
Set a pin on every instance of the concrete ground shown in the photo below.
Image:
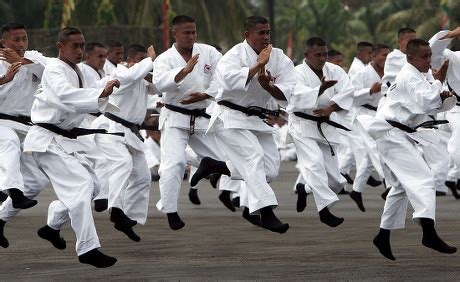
(217, 244)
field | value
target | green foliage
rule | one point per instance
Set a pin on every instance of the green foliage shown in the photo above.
(53, 14)
(105, 13)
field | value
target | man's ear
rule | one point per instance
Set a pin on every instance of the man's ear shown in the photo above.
(2, 42)
(246, 34)
(59, 45)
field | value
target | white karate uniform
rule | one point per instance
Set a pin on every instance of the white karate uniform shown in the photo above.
(174, 126)
(355, 67)
(362, 82)
(247, 140)
(394, 62)
(317, 165)
(16, 98)
(61, 102)
(409, 101)
(440, 54)
(347, 148)
(109, 67)
(129, 180)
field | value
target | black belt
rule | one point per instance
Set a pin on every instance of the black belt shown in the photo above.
(369, 107)
(408, 129)
(192, 113)
(319, 121)
(20, 119)
(96, 114)
(74, 132)
(132, 126)
(251, 110)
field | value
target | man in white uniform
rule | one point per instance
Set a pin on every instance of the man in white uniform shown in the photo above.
(367, 83)
(362, 59)
(251, 75)
(410, 99)
(185, 74)
(346, 151)
(438, 44)
(397, 58)
(95, 58)
(60, 105)
(92, 69)
(129, 180)
(322, 91)
(20, 74)
(115, 54)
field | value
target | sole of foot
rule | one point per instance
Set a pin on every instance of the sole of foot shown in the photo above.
(384, 248)
(128, 230)
(439, 246)
(51, 235)
(174, 221)
(227, 201)
(97, 259)
(358, 199)
(193, 197)
(277, 228)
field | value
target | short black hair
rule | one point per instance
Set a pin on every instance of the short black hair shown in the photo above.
(93, 45)
(11, 26)
(315, 41)
(66, 32)
(363, 44)
(333, 52)
(251, 21)
(113, 44)
(181, 19)
(405, 30)
(414, 44)
(377, 47)
(133, 49)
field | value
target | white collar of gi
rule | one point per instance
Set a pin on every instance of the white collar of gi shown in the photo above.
(194, 50)
(249, 48)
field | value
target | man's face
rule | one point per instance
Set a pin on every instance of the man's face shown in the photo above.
(185, 35)
(421, 58)
(96, 58)
(116, 55)
(365, 54)
(404, 39)
(380, 57)
(17, 40)
(136, 58)
(258, 37)
(316, 57)
(336, 60)
(72, 50)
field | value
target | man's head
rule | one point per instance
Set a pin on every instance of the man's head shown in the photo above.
(364, 51)
(379, 54)
(335, 57)
(316, 53)
(257, 32)
(136, 53)
(419, 54)
(184, 31)
(95, 55)
(71, 45)
(14, 36)
(115, 51)
(405, 35)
